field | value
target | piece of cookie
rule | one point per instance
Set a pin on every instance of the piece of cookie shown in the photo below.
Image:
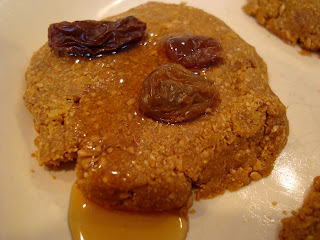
(295, 21)
(304, 224)
(88, 109)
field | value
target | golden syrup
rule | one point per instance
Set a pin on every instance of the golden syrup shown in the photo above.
(88, 221)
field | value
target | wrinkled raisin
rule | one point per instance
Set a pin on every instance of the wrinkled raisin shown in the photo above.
(90, 38)
(174, 94)
(193, 51)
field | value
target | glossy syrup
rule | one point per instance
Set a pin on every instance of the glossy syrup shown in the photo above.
(88, 221)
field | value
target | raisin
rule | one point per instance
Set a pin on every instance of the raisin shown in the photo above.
(193, 51)
(173, 94)
(91, 38)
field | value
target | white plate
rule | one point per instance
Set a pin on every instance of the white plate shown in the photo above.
(34, 206)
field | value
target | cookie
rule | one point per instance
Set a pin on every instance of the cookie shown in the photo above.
(305, 223)
(88, 109)
(294, 21)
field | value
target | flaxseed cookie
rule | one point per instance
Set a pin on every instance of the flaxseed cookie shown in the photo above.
(305, 223)
(88, 109)
(295, 21)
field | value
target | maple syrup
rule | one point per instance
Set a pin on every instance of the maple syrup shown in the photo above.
(89, 221)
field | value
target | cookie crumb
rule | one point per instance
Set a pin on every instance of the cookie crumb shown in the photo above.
(54, 177)
(316, 184)
(192, 211)
(285, 212)
(305, 53)
(32, 170)
(131, 101)
(274, 203)
(255, 176)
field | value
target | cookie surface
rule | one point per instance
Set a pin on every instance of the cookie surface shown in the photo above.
(88, 109)
(294, 21)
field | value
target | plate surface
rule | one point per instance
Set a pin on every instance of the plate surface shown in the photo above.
(34, 206)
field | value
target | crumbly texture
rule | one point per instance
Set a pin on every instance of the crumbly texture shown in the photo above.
(304, 224)
(295, 21)
(88, 109)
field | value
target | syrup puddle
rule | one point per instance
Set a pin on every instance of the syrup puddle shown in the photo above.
(88, 221)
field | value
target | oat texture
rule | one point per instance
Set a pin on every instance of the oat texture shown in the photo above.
(295, 21)
(87, 109)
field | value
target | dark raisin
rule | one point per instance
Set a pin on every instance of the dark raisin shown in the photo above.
(174, 94)
(193, 51)
(90, 38)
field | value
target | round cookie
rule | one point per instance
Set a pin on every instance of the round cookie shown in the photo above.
(88, 109)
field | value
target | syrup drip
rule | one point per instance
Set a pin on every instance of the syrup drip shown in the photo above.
(88, 221)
